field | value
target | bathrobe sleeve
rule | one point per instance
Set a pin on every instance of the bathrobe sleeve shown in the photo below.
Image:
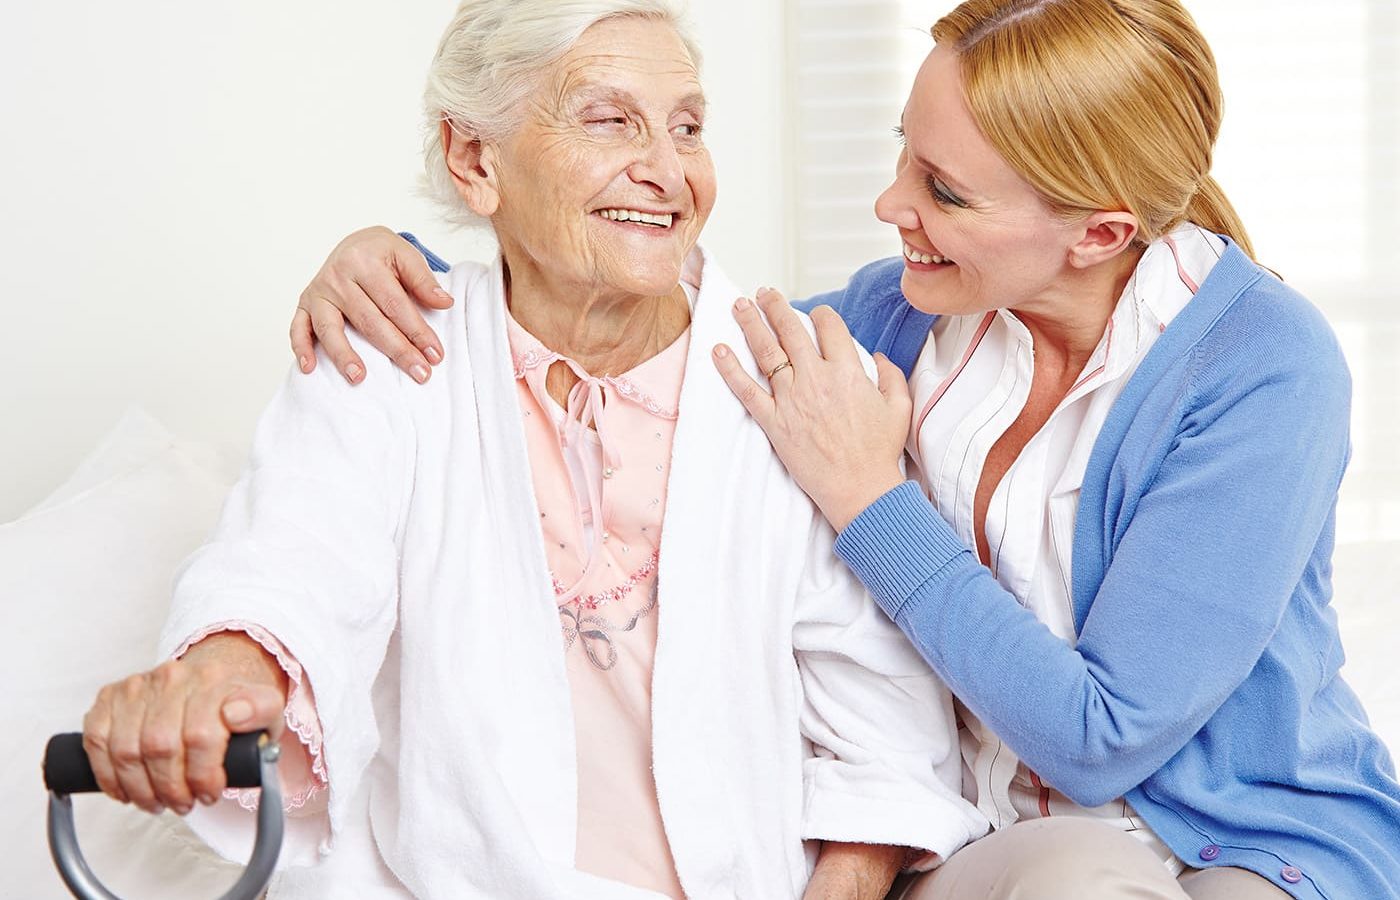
(886, 767)
(307, 548)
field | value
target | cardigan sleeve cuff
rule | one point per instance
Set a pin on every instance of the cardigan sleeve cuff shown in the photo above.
(897, 544)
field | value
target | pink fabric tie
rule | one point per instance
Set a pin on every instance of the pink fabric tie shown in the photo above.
(586, 406)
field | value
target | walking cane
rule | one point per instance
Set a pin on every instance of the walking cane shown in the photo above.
(251, 761)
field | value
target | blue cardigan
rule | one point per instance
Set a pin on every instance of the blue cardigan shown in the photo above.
(1204, 685)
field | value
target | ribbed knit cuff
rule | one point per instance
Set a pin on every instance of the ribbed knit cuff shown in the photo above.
(435, 262)
(896, 545)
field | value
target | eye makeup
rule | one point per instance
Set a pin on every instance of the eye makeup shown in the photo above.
(937, 189)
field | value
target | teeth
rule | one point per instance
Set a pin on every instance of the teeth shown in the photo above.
(632, 215)
(925, 258)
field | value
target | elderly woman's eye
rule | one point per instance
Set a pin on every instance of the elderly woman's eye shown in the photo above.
(605, 117)
(689, 129)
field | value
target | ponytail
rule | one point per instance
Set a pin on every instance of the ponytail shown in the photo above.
(1212, 210)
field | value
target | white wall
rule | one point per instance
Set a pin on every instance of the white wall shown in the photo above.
(173, 173)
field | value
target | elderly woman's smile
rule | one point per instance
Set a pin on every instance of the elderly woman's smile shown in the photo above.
(606, 184)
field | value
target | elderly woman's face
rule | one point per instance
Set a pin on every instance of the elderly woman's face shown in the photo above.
(608, 182)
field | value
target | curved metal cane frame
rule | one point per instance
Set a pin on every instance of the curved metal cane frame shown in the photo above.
(63, 840)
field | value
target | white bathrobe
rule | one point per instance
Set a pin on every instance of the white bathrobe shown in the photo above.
(388, 535)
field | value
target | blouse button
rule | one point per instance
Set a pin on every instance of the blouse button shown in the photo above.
(1210, 852)
(608, 472)
(1292, 874)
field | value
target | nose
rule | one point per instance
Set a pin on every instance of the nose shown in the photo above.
(893, 205)
(659, 166)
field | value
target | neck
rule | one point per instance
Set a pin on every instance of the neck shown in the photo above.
(605, 331)
(1067, 323)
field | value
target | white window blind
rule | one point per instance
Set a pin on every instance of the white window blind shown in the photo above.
(853, 62)
(1309, 154)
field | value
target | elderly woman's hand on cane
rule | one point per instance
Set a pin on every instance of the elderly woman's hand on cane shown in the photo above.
(157, 739)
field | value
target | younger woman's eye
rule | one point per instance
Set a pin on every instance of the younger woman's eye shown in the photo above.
(940, 193)
(936, 188)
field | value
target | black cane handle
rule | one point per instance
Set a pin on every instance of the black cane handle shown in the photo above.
(67, 770)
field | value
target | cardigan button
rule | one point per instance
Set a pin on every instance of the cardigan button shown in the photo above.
(1210, 852)
(1291, 874)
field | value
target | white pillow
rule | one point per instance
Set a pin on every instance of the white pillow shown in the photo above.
(84, 587)
(134, 441)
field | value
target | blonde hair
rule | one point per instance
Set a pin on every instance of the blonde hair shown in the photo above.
(490, 60)
(1099, 104)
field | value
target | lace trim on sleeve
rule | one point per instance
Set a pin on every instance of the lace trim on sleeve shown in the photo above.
(302, 783)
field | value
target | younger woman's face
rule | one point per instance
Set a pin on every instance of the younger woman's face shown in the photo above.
(976, 235)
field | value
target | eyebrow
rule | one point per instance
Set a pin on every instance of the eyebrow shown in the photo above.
(586, 92)
(952, 180)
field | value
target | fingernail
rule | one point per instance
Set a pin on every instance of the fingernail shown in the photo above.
(419, 372)
(304, 363)
(207, 799)
(721, 351)
(157, 810)
(237, 712)
(741, 304)
(353, 371)
(183, 809)
(443, 295)
(433, 355)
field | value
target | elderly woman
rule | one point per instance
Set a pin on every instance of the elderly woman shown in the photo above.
(1129, 438)
(560, 624)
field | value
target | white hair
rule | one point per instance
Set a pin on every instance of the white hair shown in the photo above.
(490, 59)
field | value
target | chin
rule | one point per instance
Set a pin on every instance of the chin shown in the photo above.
(650, 281)
(920, 297)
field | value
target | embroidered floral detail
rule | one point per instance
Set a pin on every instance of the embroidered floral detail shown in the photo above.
(629, 391)
(595, 632)
(532, 359)
(613, 594)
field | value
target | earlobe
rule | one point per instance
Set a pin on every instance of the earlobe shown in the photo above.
(1106, 234)
(472, 164)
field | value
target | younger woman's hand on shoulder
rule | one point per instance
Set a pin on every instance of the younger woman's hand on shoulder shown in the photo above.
(374, 280)
(840, 434)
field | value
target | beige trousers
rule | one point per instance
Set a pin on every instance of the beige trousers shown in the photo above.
(1073, 858)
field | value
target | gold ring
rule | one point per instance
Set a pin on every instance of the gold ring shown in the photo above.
(785, 364)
